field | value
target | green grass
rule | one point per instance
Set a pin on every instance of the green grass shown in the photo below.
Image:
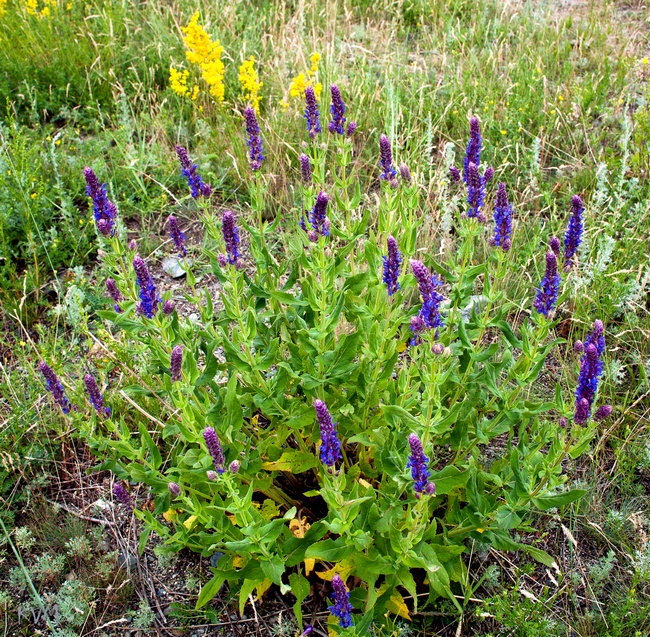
(562, 96)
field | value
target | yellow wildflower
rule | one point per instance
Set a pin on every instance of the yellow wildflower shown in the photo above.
(644, 61)
(206, 54)
(39, 9)
(195, 92)
(303, 80)
(249, 80)
(314, 59)
(178, 81)
(3, 4)
(298, 85)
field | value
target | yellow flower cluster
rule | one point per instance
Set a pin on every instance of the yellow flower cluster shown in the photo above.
(303, 80)
(40, 9)
(3, 4)
(250, 83)
(178, 82)
(206, 54)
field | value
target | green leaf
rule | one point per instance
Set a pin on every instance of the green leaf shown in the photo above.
(394, 412)
(211, 364)
(293, 461)
(449, 478)
(546, 502)
(330, 550)
(210, 590)
(540, 556)
(154, 452)
(300, 589)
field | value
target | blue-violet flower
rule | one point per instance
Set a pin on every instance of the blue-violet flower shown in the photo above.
(573, 236)
(149, 298)
(341, 598)
(330, 450)
(392, 266)
(337, 110)
(198, 188)
(548, 290)
(253, 139)
(104, 210)
(54, 386)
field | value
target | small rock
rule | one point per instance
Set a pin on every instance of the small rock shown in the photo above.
(174, 267)
(127, 561)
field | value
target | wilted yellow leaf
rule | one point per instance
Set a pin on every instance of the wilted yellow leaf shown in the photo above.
(170, 514)
(397, 605)
(269, 510)
(238, 562)
(364, 483)
(189, 523)
(343, 568)
(310, 562)
(299, 527)
(262, 587)
(231, 517)
(401, 347)
(255, 420)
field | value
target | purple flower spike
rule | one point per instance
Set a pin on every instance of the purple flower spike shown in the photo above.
(95, 397)
(405, 174)
(591, 369)
(305, 169)
(431, 299)
(573, 236)
(341, 598)
(392, 266)
(198, 187)
(174, 489)
(149, 298)
(104, 210)
(605, 411)
(214, 449)
(488, 174)
(454, 173)
(597, 337)
(502, 219)
(386, 159)
(230, 236)
(176, 363)
(475, 191)
(54, 386)
(548, 290)
(114, 293)
(556, 246)
(418, 463)
(337, 109)
(423, 277)
(352, 127)
(318, 216)
(253, 139)
(122, 495)
(177, 236)
(330, 450)
(474, 145)
(312, 114)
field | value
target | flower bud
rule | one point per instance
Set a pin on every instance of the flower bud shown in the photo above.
(174, 489)
(233, 467)
(211, 475)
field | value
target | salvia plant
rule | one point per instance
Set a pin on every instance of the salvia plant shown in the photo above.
(347, 407)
